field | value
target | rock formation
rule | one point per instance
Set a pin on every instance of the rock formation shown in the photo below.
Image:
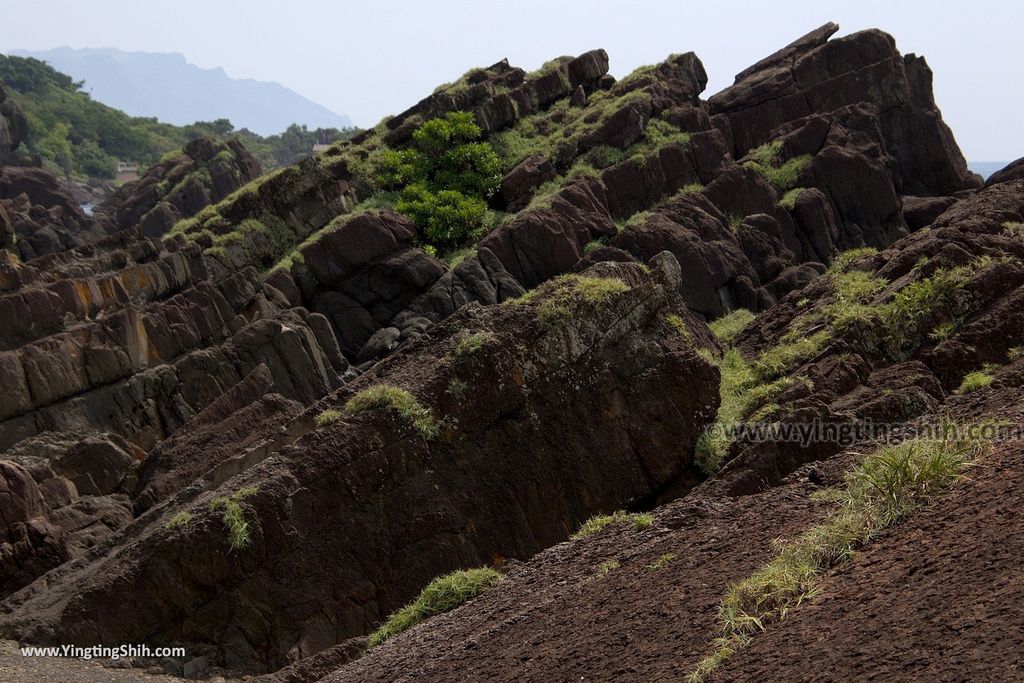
(257, 414)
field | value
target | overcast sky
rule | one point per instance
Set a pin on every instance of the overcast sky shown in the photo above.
(371, 58)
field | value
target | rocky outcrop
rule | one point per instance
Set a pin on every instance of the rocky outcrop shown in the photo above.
(1012, 171)
(567, 401)
(817, 75)
(42, 215)
(963, 276)
(205, 172)
(30, 543)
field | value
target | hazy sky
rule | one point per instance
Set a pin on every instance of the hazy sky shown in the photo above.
(368, 59)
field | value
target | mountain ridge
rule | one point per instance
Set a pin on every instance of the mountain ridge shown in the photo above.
(166, 85)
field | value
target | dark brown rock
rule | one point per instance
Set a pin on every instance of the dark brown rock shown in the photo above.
(815, 74)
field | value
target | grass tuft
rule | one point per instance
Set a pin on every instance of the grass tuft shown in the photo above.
(385, 396)
(788, 201)
(473, 342)
(181, 519)
(606, 568)
(326, 417)
(729, 326)
(679, 324)
(234, 516)
(457, 387)
(973, 381)
(598, 522)
(560, 296)
(661, 562)
(441, 595)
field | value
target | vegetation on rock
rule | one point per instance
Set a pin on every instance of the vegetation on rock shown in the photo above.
(441, 595)
(387, 397)
(888, 485)
(445, 179)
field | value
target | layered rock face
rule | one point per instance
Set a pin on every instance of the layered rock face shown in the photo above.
(567, 400)
(815, 75)
(191, 351)
(204, 173)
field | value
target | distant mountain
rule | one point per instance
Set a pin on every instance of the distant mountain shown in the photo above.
(166, 86)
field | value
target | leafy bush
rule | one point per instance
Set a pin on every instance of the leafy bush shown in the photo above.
(447, 218)
(444, 178)
(443, 594)
(387, 397)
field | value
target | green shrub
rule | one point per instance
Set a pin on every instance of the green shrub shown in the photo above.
(327, 417)
(444, 178)
(782, 176)
(387, 397)
(234, 516)
(889, 484)
(448, 218)
(729, 326)
(1015, 354)
(441, 595)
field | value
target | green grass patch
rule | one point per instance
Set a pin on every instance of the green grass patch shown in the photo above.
(781, 175)
(472, 343)
(559, 297)
(729, 326)
(679, 324)
(847, 258)
(973, 381)
(788, 201)
(1015, 354)
(597, 523)
(441, 595)
(661, 562)
(457, 388)
(605, 568)
(326, 417)
(889, 484)
(234, 517)
(400, 401)
(182, 519)
(737, 379)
